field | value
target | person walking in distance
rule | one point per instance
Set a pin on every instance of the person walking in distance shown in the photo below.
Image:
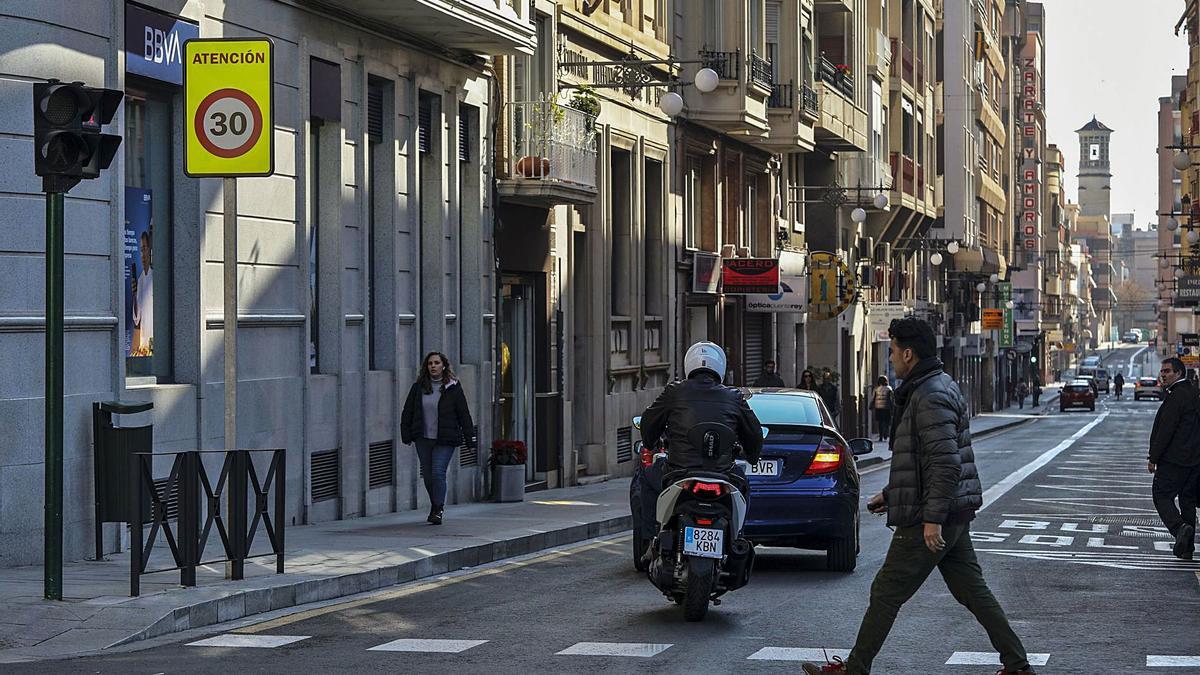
(437, 419)
(808, 380)
(932, 495)
(769, 377)
(882, 403)
(1022, 392)
(1036, 391)
(829, 393)
(1175, 457)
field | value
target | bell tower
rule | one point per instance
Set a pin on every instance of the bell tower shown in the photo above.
(1095, 176)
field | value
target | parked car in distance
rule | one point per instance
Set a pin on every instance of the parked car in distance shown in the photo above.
(1098, 376)
(1090, 362)
(1147, 387)
(1077, 394)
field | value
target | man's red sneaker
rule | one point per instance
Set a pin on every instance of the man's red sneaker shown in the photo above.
(834, 665)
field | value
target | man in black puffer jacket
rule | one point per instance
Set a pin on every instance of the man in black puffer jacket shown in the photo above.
(932, 494)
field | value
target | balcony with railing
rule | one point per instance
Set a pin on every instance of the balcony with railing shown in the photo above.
(550, 154)
(726, 64)
(783, 96)
(760, 71)
(479, 27)
(838, 76)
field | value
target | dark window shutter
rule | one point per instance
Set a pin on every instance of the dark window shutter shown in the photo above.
(464, 133)
(375, 113)
(324, 90)
(424, 122)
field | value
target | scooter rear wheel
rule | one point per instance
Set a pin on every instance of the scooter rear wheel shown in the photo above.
(699, 587)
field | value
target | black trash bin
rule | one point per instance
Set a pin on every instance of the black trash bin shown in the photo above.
(113, 448)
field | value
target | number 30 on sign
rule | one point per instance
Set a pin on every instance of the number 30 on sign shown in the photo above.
(228, 107)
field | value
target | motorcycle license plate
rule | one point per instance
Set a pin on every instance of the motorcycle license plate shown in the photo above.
(703, 542)
(765, 467)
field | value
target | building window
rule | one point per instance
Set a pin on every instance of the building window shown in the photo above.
(691, 203)
(652, 268)
(749, 234)
(906, 133)
(314, 253)
(149, 169)
(621, 209)
(756, 25)
(373, 190)
(712, 24)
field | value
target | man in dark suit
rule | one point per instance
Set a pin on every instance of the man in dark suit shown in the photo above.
(1175, 456)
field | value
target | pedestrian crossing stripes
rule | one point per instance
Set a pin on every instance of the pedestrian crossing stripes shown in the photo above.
(797, 654)
(241, 640)
(990, 658)
(1172, 661)
(648, 650)
(639, 649)
(427, 646)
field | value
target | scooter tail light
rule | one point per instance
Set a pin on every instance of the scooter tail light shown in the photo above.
(828, 457)
(647, 456)
(711, 489)
(704, 521)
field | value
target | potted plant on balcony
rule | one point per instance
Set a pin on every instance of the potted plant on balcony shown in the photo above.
(585, 101)
(538, 130)
(508, 469)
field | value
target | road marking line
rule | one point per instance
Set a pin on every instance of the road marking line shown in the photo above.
(422, 586)
(258, 641)
(797, 654)
(1012, 480)
(1158, 661)
(636, 649)
(427, 646)
(990, 659)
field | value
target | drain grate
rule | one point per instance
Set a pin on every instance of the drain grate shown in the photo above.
(1125, 520)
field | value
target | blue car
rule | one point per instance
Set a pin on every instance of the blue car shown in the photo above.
(804, 491)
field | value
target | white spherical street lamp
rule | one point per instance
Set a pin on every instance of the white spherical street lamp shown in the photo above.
(952, 247)
(1182, 161)
(935, 259)
(994, 278)
(1193, 236)
(1010, 304)
(881, 200)
(671, 104)
(1172, 224)
(707, 80)
(981, 287)
(859, 215)
(1164, 263)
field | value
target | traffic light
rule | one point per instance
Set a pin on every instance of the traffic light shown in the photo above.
(67, 123)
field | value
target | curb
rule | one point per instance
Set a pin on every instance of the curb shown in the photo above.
(248, 602)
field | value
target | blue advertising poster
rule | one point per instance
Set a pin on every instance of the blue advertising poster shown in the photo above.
(139, 274)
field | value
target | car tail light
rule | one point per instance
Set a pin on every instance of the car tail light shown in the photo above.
(647, 456)
(828, 458)
(711, 489)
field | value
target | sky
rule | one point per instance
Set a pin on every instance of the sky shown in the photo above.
(1108, 59)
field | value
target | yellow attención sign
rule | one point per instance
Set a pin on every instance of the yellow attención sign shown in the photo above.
(228, 107)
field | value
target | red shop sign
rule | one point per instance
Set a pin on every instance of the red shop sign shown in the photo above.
(750, 275)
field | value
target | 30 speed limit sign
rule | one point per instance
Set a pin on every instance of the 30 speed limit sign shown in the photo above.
(228, 107)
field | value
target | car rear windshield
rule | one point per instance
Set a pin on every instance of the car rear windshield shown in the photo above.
(1147, 381)
(785, 409)
(1078, 387)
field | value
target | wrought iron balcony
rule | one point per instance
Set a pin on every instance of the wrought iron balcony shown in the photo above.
(727, 64)
(760, 70)
(809, 103)
(838, 77)
(551, 145)
(782, 96)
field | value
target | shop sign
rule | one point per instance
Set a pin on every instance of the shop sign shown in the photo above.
(1068, 347)
(741, 276)
(1031, 185)
(705, 278)
(792, 297)
(228, 107)
(1006, 331)
(154, 44)
(831, 286)
(993, 319)
(1187, 290)
(881, 316)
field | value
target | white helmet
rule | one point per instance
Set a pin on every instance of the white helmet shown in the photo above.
(704, 356)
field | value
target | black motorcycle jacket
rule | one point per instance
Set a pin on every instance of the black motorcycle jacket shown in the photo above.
(696, 400)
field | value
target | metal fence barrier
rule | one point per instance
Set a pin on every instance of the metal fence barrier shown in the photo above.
(195, 488)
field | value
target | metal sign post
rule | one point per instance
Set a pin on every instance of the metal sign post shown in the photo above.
(229, 119)
(52, 533)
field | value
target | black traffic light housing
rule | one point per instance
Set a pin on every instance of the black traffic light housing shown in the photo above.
(67, 123)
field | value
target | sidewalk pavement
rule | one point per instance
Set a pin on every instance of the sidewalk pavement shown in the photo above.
(324, 562)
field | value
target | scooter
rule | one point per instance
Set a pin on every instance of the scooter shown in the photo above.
(698, 554)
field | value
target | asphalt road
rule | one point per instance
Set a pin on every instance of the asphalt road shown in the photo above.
(1068, 540)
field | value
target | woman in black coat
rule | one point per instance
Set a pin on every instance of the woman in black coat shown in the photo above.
(436, 417)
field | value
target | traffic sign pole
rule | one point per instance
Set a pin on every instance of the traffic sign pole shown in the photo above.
(52, 528)
(231, 312)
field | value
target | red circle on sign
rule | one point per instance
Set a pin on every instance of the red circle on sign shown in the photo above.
(202, 109)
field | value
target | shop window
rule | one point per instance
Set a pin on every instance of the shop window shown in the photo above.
(621, 208)
(653, 268)
(691, 203)
(149, 171)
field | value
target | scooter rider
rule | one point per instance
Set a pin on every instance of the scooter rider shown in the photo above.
(698, 399)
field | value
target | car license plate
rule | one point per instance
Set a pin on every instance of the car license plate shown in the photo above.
(703, 542)
(765, 467)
